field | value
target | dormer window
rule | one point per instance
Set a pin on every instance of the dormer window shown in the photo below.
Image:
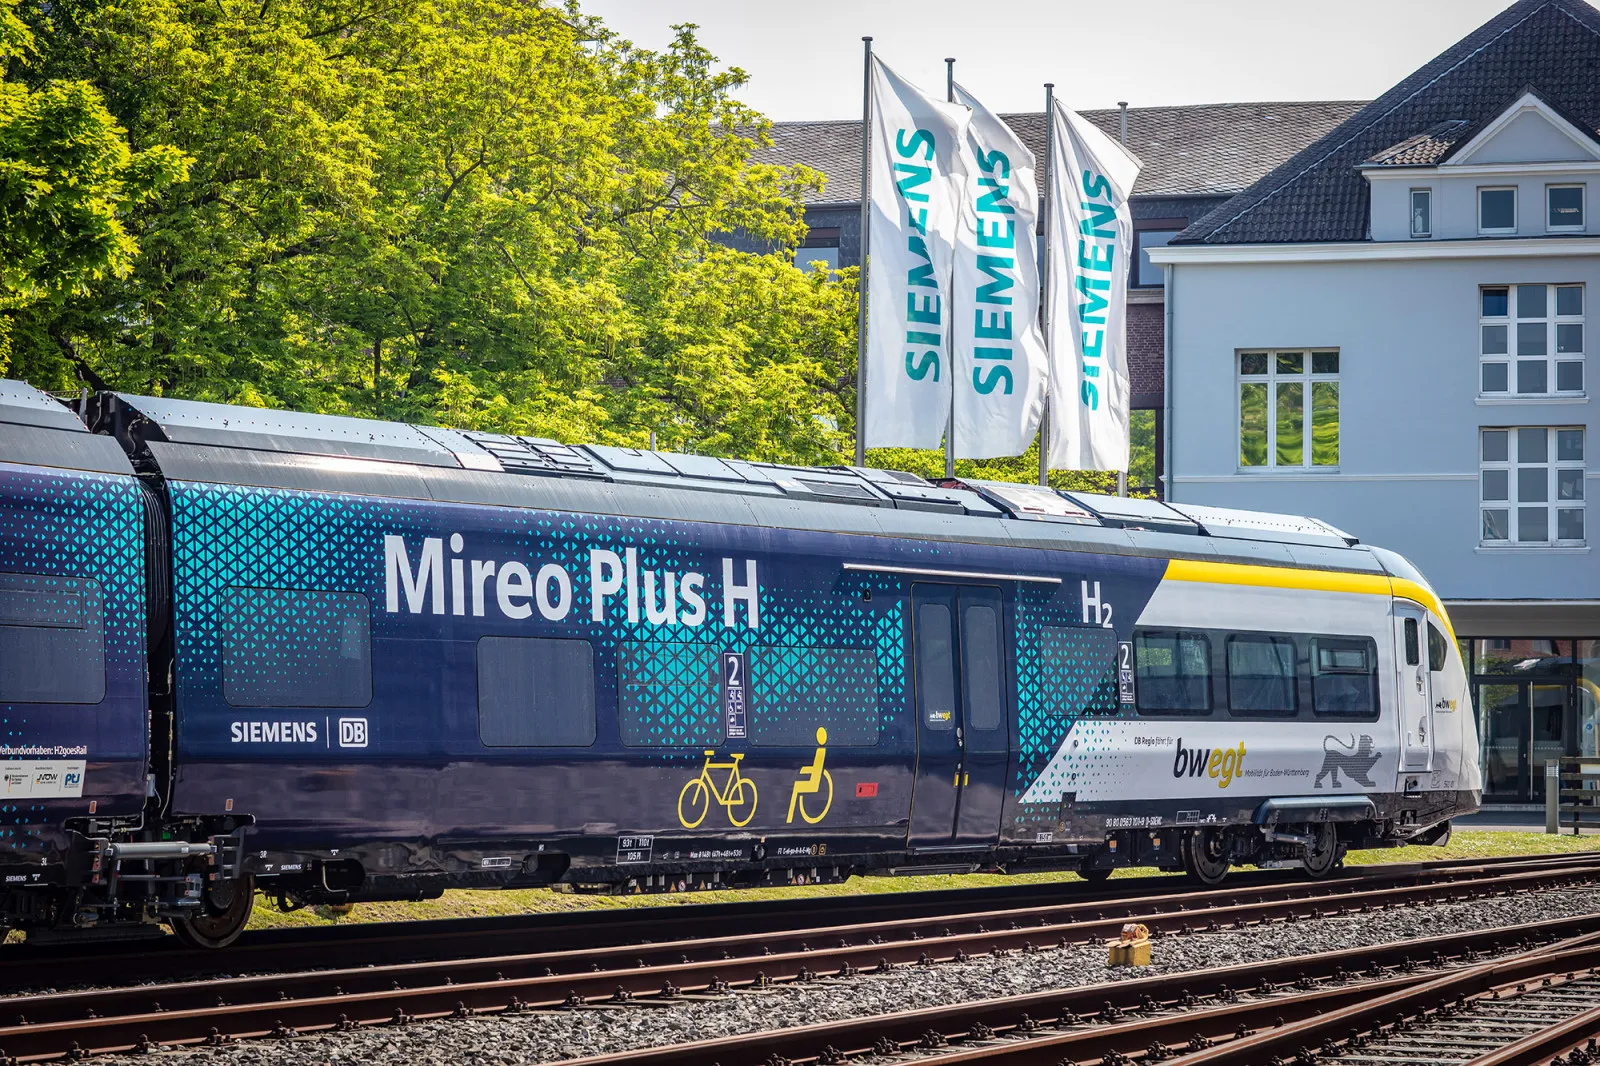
(1497, 210)
(1563, 207)
(1422, 212)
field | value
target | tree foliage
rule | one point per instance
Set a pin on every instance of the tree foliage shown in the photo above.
(490, 214)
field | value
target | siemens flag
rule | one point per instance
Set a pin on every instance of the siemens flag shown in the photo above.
(999, 351)
(917, 179)
(1090, 241)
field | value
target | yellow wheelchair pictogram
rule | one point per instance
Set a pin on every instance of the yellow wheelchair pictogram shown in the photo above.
(814, 780)
(733, 795)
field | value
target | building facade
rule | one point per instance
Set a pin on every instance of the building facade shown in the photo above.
(1390, 332)
(1195, 159)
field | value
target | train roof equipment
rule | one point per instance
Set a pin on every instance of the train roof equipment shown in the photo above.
(210, 442)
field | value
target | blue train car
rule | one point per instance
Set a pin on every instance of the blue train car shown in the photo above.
(74, 737)
(405, 658)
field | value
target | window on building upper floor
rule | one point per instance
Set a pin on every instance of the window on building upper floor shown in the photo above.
(1149, 275)
(820, 244)
(1497, 210)
(1288, 409)
(1563, 207)
(1422, 212)
(1531, 485)
(1530, 340)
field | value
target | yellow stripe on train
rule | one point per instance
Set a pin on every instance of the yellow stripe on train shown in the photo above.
(1284, 577)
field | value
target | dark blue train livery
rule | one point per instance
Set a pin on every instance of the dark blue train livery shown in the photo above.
(334, 659)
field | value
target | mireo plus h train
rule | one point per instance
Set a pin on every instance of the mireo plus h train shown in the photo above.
(333, 659)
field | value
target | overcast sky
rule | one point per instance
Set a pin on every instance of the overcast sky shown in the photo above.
(804, 58)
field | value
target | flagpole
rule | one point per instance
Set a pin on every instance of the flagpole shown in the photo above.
(866, 245)
(1044, 276)
(1122, 139)
(950, 423)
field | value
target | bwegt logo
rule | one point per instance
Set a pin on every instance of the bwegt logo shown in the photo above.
(1220, 764)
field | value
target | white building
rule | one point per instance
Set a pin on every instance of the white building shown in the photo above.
(1390, 332)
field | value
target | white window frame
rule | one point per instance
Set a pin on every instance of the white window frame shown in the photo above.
(1552, 319)
(1515, 209)
(1552, 505)
(1583, 207)
(1411, 212)
(1271, 380)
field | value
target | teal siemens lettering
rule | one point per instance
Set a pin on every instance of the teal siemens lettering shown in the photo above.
(990, 321)
(921, 308)
(1096, 250)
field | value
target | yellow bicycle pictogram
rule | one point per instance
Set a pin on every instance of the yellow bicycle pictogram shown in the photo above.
(813, 780)
(698, 794)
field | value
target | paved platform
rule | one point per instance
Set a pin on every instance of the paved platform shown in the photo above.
(1509, 820)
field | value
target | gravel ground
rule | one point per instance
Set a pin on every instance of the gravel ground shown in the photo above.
(534, 1038)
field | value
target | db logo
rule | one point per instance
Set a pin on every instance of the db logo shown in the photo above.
(352, 732)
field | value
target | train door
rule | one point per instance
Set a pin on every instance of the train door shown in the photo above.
(1415, 689)
(963, 711)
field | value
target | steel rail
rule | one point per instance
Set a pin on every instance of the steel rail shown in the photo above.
(124, 1018)
(382, 943)
(1046, 1028)
(1403, 1006)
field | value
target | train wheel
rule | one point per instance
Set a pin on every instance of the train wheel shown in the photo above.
(224, 911)
(1094, 874)
(1324, 854)
(738, 814)
(1205, 856)
(693, 803)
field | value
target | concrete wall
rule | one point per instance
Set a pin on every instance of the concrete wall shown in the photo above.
(1407, 479)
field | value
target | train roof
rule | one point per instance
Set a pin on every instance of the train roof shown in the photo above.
(36, 429)
(194, 441)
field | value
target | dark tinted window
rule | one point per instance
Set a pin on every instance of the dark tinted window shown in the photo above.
(296, 648)
(980, 666)
(1172, 672)
(535, 693)
(1413, 643)
(1344, 676)
(936, 675)
(1438, 649)
(52, 640)
(670, 694)
(1261, 675)
(798, 690)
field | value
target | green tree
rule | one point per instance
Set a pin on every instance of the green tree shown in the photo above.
(67, 179)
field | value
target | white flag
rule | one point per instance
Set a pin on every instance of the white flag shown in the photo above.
(1091, 240)
(917, 180)
(998, 352)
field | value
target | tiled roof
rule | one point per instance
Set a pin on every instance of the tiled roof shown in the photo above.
(1208, 149)
(1425, 148)
(1552, 46)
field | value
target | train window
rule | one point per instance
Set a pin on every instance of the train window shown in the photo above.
(296, 648)
(1078, 670)
(52, 640)
(936, 666)
(1413, 643)
(1344, 677)
(1261, 675)
(535, 693)
(1172, 672)
(669, 694)
(980, 666)
(1437, 648)
(797, 690)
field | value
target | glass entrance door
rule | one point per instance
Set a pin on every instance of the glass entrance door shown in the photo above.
(1523, 725)
(1503, 735)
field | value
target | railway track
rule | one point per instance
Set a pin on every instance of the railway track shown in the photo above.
(163, 958)
(42, 1026)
